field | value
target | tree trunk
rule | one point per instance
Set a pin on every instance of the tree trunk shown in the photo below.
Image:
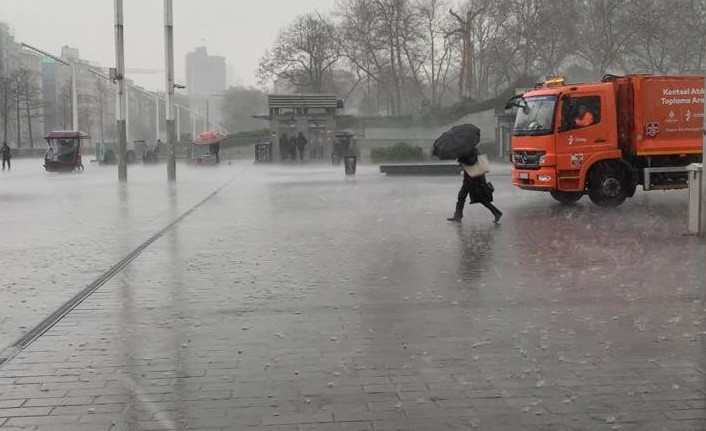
(470, 66)
(101, 120)
(19, 118)
(29, 123)
(5, 100)
(395, 82)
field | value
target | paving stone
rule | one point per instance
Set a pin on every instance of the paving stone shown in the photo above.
(24, 411)
(43, 420)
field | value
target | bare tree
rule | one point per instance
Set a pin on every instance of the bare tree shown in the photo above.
(6, 97)
(381, 40)
(474, 10)
(32, 105)
(488, 53)
(395, 53)
(26, 102)
(437, 63)
(543, 34)
(658, 45)
(361, 43)
(238, 106)
(304, 54)
(19, 82)
(607, 28)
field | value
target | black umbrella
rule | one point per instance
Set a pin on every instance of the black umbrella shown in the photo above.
(458, 142)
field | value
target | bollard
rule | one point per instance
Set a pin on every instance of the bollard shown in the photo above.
(335, 159)
(350, 162)
(694, 212)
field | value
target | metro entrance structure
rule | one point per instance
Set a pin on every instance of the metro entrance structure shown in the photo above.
(313, 115)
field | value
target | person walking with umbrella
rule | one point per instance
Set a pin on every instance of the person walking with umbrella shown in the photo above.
(460, 143)
(476, 188)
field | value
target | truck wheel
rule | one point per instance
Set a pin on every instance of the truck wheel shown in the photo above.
(607, 185)
(566, 197)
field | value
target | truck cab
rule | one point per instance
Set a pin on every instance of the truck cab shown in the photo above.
(560, 132)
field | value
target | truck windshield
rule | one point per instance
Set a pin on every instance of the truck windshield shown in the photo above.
(537, 117)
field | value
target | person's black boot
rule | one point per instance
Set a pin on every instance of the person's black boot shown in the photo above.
(458, 214)
(497, 213)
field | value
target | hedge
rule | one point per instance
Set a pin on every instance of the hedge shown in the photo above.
(400, 152)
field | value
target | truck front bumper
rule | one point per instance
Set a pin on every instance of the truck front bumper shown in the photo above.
(542, 179)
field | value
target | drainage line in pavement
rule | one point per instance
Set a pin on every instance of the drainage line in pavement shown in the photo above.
(46, 324)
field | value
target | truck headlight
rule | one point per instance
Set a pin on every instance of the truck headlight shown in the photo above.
(542, 159)
(544, 178)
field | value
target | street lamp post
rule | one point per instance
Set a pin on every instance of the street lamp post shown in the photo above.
(74, 98)
(122, 93)
(169, 66)
(157, 131)
(178, 124)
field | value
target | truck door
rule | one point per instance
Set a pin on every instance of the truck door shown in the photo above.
(584, 129)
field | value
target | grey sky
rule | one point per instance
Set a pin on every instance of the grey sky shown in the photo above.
(239, 30)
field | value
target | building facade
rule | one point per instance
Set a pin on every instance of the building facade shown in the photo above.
(205, 74)
(206, 79)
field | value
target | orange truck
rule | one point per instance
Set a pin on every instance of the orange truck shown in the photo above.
(606, 138)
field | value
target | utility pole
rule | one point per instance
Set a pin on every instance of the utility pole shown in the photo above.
(169, 66)
(122, 94)
(178, 124)
(74, 98)
(157, 131)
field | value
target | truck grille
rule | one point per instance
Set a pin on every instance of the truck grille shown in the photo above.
(527, 159)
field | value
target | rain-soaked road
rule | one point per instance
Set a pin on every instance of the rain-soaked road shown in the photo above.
(297, 298)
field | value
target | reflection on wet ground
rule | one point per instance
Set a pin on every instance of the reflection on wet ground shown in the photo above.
(297, 298)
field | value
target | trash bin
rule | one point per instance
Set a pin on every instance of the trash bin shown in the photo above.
(335, 159)
(350, 162)
(694, 213)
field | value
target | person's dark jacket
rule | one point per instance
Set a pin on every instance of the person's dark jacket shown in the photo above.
(301, 141)
(6, 153)
(478, 188)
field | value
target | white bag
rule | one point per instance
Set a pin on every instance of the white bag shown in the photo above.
(481, 167)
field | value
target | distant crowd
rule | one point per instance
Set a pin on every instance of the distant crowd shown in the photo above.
(289, 146)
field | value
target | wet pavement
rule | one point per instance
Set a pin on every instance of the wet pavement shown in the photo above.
(300, 299)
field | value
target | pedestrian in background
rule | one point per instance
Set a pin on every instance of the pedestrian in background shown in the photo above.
(215, 149)
(283, 146)
(301, 145)
(6, 155)
(292, 148)
(477, 188)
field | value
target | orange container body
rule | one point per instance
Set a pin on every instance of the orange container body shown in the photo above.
(664, 114)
